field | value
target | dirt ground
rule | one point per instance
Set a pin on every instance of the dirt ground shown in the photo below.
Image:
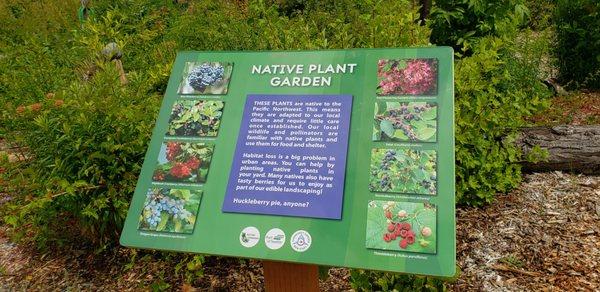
(543, 236)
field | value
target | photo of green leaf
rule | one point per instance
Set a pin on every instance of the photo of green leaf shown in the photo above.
(403, 171)
(195, 118)
(183, 162)
(206, 78)
(405, 121)
(401, 226)
(170, 210)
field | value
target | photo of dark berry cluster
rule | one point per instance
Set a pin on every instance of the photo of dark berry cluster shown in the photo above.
(195, 118)
(386, 162)
(405, 121)
(205, 75)
(403, 171)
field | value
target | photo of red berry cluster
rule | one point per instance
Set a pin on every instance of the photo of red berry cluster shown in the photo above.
(183, 162)
(400, 230)
(401, 226)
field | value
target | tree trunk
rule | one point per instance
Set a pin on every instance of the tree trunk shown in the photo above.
(570, 148)
(424, 10)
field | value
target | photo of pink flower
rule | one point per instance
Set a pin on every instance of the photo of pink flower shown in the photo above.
(407, 77)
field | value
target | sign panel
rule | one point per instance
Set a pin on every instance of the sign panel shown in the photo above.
(291, 156)
(339, 158)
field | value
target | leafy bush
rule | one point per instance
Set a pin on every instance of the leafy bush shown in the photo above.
(86, 153)
(496, 87)
(541, 13)
(36, 56)
(460, 23)
(340, 24)
(85, 177)
(494, 93)
(578, 48)
(362, 280)
(85, 135)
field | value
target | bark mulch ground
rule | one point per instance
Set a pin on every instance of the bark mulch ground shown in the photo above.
(576, 108)
(544, 236)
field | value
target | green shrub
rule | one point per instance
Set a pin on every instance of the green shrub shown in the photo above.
(362, 280)
(496, 87)
(36, 52)
(85, 155)
(578, 48)
(86, 141)
(339, 24)
(495, 91)
(541, 13)
(460, 23)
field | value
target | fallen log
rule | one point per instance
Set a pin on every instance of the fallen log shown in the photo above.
(570, 148)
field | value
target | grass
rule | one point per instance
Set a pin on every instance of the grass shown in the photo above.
(512, 261)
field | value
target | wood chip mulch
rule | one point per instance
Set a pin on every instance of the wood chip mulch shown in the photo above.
(544, 236)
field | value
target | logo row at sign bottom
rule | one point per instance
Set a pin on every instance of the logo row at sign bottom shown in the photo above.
(275, 238)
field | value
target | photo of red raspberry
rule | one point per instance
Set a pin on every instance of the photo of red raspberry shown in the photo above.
(391, 227)
(403, 243)
(401, 226)
(386, 237)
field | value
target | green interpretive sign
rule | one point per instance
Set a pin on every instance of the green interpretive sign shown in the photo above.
(337, 158)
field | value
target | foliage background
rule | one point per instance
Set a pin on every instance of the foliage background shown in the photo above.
(578, 47)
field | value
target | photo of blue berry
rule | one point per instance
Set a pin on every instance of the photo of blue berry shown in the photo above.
(205, 78)
(205, 75)
(170, 210)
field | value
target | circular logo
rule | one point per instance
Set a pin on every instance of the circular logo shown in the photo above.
(249, 236)
(275, 238)
(300, 240)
